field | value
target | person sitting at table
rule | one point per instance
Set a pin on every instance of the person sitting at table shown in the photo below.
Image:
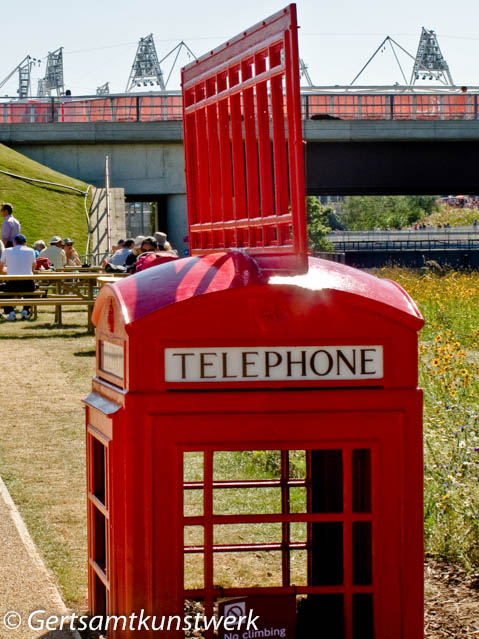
(152, 255)
(55, 253)
(70, 253)
(120, 256)
(163, 245)
(38, 247)
(17, 260)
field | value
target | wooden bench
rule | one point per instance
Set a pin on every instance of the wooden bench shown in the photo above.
(56, 289)
(25, 298)
(39, 299)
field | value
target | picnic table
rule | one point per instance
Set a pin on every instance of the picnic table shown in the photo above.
(69, 288)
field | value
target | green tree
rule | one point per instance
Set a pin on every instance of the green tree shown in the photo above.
(318, 226)
(362, 213)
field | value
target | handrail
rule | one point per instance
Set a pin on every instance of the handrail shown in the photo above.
(167, 106)
(420, 240)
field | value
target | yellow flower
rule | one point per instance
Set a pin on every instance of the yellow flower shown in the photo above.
(435, 362)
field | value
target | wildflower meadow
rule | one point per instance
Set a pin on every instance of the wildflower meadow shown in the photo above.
(449, 375)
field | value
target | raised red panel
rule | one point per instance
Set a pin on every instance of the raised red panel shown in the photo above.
(244, 148)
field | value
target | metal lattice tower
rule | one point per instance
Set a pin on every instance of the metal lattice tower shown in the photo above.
(53, 79)
(104, 89)
(24, 76)
(146, 68)
(303, 72)
(430, 63)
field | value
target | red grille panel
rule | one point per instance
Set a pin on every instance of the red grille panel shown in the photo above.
(244, 149)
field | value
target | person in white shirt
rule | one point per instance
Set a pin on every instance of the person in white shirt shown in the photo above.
(17, 260)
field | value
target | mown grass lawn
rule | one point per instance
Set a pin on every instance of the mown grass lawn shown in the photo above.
(48, 370)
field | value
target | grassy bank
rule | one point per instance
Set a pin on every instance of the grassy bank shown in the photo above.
(43, 210)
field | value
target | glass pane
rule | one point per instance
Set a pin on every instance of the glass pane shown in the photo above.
(100, 596)
(247, 569)
(194, 570)
(297, 500)
(99, 552)
(363, 617)
(362, 480)
(297, 464)
(194, 535)
(246, 464)
(247, 533)
(362, 553)
(298, 567)
(298, 531)
(99, 453)
(327, 553)
(327, 481)
(241, 501)
(193, 466)
(324, 612)
(193, 503)
(139, 218)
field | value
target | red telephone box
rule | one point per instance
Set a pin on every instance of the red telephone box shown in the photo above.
(210, 360)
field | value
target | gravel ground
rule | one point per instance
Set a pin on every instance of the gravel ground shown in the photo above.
(451, 604)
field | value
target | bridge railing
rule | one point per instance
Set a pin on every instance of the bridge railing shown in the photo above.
(168, 106)
(420, 240)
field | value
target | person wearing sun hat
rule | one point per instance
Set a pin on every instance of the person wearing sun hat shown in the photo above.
(70, 253)
(55, 253)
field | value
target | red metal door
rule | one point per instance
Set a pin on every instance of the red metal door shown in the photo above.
(347, 563)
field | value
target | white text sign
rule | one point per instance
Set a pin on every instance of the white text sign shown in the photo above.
(273, 363)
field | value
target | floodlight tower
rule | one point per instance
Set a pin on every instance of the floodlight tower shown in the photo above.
(430, 63)
(53, 79)
(24, 69)
(104, 89)
(146, 68)
(303, 72)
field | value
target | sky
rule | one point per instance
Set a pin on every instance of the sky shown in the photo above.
(336, 38)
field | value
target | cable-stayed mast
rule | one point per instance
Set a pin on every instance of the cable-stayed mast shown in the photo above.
(430, 63)
(382, 48)
(53, 79)
(146, 68)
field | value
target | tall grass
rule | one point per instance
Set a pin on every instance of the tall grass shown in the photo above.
(448, 373)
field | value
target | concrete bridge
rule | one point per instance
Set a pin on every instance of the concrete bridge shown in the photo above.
(343, 157)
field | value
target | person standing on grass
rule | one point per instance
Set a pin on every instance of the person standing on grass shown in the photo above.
(17, 260)
(11, 226)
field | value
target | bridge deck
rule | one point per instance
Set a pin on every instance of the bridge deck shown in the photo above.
(167, 106)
